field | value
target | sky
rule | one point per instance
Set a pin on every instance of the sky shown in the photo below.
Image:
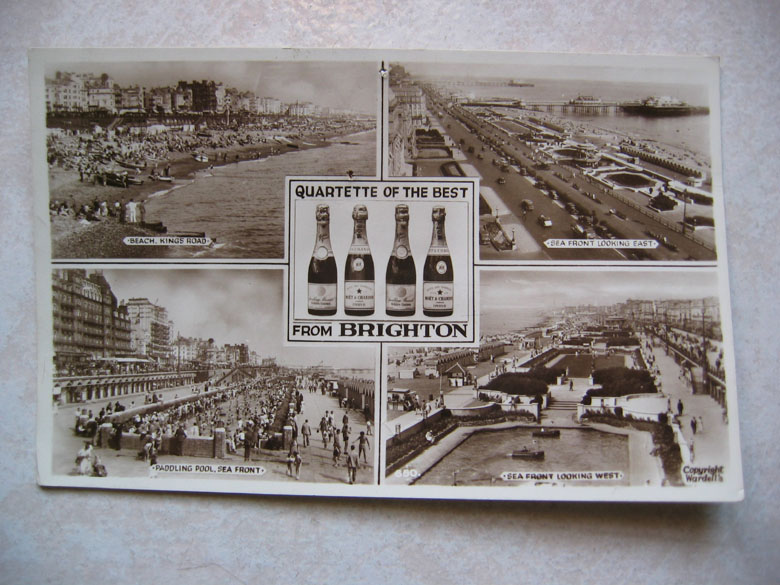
(231, 306)
(692, 84)
(346, 85)
(556, 67)
(547, 290)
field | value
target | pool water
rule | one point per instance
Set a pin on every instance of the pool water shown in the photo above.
(485, 455)
(633, 180)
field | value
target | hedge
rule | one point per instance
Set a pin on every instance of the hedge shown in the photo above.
(514, 383)
(621, 381)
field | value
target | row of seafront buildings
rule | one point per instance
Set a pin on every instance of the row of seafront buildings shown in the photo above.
(88, 92)
(698, 316)
(408, 113)
(91, 327)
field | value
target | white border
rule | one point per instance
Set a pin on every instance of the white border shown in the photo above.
(682, 68)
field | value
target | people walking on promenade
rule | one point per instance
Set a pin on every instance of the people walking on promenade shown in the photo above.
(325, 437)
(297, 462)
(306, 432)
(293, 445)
(362, 446)
(294, 461)
(700, 424)
(679, 407)
(336, 450)
(345, 435)
(352, 465)
(693, 425)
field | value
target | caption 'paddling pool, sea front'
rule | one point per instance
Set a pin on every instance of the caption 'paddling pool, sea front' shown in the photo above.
(242, 205)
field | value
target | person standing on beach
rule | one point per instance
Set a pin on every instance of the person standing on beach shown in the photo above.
(132, 214)
(142, 211)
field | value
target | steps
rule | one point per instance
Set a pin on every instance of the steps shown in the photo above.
(560, 405)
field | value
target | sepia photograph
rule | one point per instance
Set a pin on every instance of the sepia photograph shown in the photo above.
(521, 258)
(187, 159)
(181, 374)
(601, 163)
(581, 379)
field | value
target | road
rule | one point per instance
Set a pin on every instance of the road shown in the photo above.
(636, 224)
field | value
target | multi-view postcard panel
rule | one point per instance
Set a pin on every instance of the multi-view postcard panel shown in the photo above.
(390, 274)
(595, 164)
(194, 385)
(187, 160)
(593, 378)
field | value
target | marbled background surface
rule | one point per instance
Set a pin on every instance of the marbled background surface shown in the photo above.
(69, 536)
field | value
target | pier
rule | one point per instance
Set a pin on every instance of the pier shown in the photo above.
(599, 107)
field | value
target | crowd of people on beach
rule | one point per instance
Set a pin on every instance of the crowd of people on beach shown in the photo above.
(93, 152)
(124, 211)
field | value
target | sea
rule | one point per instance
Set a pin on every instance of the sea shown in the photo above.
(242, 205)
(690, 133)
(498, 322)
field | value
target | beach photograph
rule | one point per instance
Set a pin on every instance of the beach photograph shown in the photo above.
(582, 378)
(187, 159)
(601, 163)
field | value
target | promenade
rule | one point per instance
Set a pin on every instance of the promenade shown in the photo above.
(711, 440)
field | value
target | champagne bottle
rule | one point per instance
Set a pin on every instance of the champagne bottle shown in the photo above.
(438, 289)
(401, 276)
(323, 287)
(359, 271)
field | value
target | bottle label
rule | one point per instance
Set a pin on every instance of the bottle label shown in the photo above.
(441, 267)
(321, 252)
(438, 251)
(437, 296)
(322, 297)
(358, 294)
(359, 249)
(401, 297)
